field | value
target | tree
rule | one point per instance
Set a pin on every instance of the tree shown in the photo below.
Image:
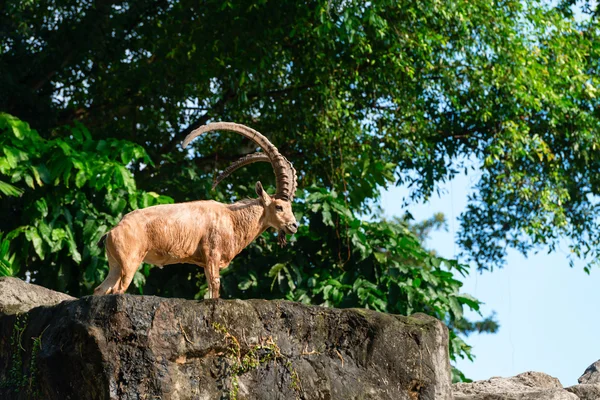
(359, 95)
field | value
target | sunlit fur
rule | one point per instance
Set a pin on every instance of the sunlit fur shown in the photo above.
(206, 233)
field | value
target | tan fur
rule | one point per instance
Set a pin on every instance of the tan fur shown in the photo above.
(206, 233)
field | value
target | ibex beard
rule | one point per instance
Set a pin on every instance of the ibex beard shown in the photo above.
(205, 233)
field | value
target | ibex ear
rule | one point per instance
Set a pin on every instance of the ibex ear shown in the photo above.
(265, 199)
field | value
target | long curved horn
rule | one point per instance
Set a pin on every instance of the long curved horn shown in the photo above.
(284, 173)
(247, 159)
(250, 159)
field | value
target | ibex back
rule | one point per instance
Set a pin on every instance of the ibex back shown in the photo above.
(206, 233)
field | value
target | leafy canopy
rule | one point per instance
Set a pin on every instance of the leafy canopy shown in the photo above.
(352, 89)
(63, 195)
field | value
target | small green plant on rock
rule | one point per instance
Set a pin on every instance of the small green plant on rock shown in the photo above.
(32, 388)
(247, 360)
(17, 379)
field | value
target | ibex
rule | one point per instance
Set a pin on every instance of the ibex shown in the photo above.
(206, 233)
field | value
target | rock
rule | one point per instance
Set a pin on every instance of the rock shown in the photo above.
(144, 347)
(525, 386)
(586, 391)
(591, 374)
(17, 296)
(589, 383)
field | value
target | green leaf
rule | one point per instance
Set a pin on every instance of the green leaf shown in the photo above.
(90, 227)
(45, 232)
(58, 236)
(19, 128)
(42, 174)
(80, 178)
(247, 283)
(10, 190)
(32, 236)
(435, 262)
(5, 269)
(327, 214)
(42, 206)
(72, 245)
(8, 266)
(14, 156)
(456, 307)
(275, 272)
(124, 178)
(29, 181)
(118, 205)
(469, 300)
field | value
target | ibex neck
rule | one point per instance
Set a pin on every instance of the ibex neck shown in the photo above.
(249, 221)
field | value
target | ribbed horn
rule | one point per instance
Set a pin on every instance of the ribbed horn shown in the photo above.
(284, 172)
(247, 159)
(250, 159)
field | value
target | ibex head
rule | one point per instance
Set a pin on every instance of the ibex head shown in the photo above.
(278, 212)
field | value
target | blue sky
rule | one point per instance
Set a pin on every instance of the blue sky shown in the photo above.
(548, 312)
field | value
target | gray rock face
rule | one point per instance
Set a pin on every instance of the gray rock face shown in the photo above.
(589, 383)
(586, 391)
(17, 296)
(526, 386)
(143, 347)
(591, 374)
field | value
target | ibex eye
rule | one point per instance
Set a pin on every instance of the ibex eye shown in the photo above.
(279, 208)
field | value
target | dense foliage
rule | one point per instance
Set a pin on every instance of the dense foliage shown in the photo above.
(63, 195)
(359, 95)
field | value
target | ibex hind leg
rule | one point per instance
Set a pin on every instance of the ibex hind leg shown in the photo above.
(124, 257)
(112, 279)
(129, 262)
(122, 268)
(130, 267)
